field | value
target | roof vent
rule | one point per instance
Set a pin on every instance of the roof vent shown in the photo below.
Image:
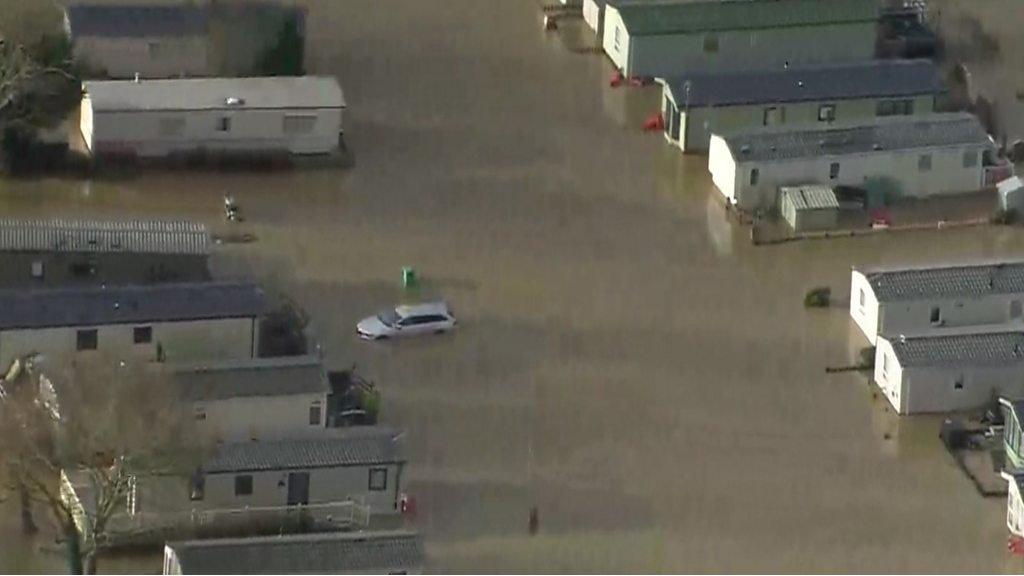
(876, 146)
(745, 149)
(137, 79)
(822, 143)
(903, 339)
(234, 101)
(117, 305)
(800, 84)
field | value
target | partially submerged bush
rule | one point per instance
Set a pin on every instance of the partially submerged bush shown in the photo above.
(819, 297)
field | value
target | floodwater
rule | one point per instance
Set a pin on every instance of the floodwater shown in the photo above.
(626, 360)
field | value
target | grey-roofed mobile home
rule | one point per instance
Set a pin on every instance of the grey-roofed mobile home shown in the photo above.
(673, 37)
(62, 252)
(153, 41)
(388, 552)
(178, 322)
(697, 105)
(160, 118)
(918, 157)
(918, 299)
(358, 447)
(257, 399)
(949, 371)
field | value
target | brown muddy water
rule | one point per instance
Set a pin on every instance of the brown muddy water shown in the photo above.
(626, 360)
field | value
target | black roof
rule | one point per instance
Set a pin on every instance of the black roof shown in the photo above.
(877, 78)
(134, 21)
(101, 305)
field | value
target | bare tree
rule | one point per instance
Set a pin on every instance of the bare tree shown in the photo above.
(103, 420)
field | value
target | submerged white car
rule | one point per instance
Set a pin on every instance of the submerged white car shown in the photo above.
(408, 320)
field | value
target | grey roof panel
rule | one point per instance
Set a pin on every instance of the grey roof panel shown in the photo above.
(323, 553)
(85, 236)
(282, 376)
(99, 305)
(874, 79)
(942, 130)
(350, 447)
(811, 197)
(690, 16)
(188, 94)
(962, 350)
(947, 282)
(135, 21)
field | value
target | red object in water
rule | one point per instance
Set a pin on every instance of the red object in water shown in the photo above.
(408, 505)
(654, 122)
(636, 82)
(1015, 544)
(616, 79)
(881, 216)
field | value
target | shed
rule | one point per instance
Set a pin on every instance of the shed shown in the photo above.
(837, 95)
(673, 37)
(950, 370)
(898, 157)
(811, 207)
(1011, 195)
(159, 118)
(910, 300)
(385, 552)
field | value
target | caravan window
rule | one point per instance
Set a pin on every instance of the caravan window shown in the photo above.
(936, 315)
(827, 113)
(970, 159)
(711, 43)
(378, 479)
(833, 171)
(924, 163)
(755, 175)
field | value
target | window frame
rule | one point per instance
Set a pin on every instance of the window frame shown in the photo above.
(970, 159)
(318, 409)
(224, 124)
(755, 176)
(935, 316)
(924, 163)
(830, 116)
(710, 43)
(87, 339)
(377, 472)
(142, 334)
(834, 170)
(243, 485)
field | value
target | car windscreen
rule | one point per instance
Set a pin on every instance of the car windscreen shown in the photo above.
(389, 317)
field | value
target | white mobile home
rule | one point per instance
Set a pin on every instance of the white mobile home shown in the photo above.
(940, 154)
(337, 480)
(156, 41)
(175, 322)
(674, 37)
(918, 300)
(161, 118)
(389, 552)
(257, 399)
(951, 371)
(823, 96)
(51, 253)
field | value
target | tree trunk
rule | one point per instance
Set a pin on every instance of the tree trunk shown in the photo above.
(89, 563)
(28, 523)
(73, 546)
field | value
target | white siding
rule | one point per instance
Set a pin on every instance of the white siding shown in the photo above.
(1014, 508)
(723, 168)
(161, 133)
(260, 417)
(864, 306)
(148, 57)
(708, 120)
(85, 119)
(889, 375)
(593, 13)
(929, 390)
(674, 54)
(900, 167)
(914, 316)
(325, 485)
(614, 30)
(218, 339)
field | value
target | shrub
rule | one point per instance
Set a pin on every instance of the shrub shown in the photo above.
(819, 297)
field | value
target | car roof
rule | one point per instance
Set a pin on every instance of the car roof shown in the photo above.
(424, 309)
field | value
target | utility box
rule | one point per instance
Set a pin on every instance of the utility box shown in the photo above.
(1011, 195)
(809, 208)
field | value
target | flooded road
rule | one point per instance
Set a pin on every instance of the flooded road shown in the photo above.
(626, 361)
